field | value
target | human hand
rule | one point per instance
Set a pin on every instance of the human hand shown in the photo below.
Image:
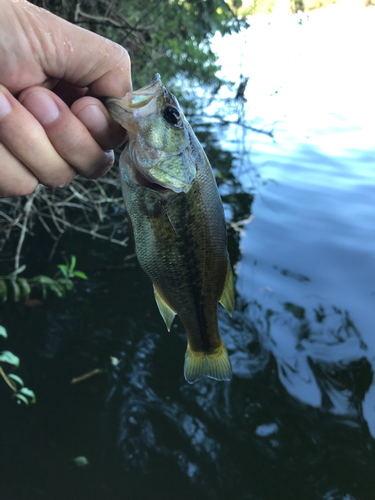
(47, 65)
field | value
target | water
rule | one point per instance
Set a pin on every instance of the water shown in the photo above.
(297, 421)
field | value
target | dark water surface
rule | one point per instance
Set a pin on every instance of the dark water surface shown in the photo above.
(297, 422)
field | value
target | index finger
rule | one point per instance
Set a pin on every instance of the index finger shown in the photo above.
(76, 55)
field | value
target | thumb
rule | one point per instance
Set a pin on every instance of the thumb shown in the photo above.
(78, 56)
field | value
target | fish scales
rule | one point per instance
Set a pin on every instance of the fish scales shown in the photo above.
(181, 252)
(178, 224)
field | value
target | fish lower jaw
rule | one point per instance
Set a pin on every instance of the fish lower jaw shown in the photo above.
(147, 183)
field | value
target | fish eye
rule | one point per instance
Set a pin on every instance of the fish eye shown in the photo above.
(171, 115)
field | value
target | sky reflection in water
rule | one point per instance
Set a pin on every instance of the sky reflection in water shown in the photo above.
(308, 254)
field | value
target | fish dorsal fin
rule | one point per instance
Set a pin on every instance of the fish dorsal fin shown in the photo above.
(167, 313)
(227, 297)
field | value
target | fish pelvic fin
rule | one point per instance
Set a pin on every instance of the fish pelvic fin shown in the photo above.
(227, 297)
(166, 312)
(215, 365)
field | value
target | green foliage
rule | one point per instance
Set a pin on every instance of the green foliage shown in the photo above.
(171, 37)
(297, 5)
(250, 8)
(69, 271)
(21, 288)
(81, 461)
(15, 382)
(9, 357)
(27, 392)
(16, 378)
(58, 285)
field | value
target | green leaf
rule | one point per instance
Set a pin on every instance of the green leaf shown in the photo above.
(28, 392)
(63, 269)
(80, 274)
(3, 291)
(17, 291)
(69, 285)
(16, 378)
(57, 290)
(49, 284)
(81, 461)
(3, 332)
(18, 271)
(9, 357)
(44, 280)
(25, 287)
(72, 262)
(22, 398)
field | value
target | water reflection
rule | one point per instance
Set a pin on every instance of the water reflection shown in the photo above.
(298, 415)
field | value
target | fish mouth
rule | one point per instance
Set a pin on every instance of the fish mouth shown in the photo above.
(144, 182)
(141, 176)
(140, 98)
(135, 104)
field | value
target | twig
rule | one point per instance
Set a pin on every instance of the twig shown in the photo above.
(6, 378)
(88, 231)
(27, 209)
(94, 19)
(87, 375)
(46, 227)
(3, 214)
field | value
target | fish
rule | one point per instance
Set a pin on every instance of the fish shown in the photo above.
(178, 222)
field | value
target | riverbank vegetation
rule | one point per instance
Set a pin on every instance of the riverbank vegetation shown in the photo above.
(254, 7)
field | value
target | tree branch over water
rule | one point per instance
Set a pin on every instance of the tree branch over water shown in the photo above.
(224, 121)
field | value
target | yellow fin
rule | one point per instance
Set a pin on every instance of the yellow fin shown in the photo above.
(227, 297)
(216, 365)
(166, 312)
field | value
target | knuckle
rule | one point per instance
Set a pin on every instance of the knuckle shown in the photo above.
(122, 53)
(125, 55)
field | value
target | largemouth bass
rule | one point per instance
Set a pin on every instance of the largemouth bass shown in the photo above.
(178, 222)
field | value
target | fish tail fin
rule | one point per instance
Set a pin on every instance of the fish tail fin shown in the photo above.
(215, 365)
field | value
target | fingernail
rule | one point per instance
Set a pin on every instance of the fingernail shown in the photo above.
(42, 107)
(93, 118)
(5, 106)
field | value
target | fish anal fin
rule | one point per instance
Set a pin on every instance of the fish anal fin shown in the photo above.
(227, 297)
(199, 364)
(166, 312)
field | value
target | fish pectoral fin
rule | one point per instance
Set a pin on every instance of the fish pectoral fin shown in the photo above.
(166, 312)
(199, 364)
(227, 297)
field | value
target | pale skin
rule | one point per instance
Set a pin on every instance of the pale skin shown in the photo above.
(52, 126)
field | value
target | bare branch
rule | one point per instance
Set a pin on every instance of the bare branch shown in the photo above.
(27, 210)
